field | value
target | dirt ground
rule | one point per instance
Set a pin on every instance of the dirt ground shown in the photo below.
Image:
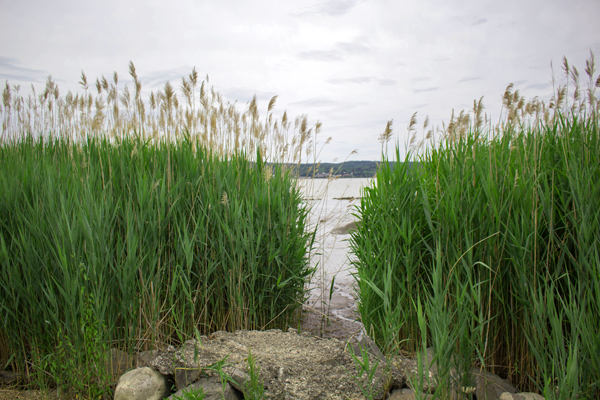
(8, 394)
(317, 324)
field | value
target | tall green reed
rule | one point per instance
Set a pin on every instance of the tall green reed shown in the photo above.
(505, 219)
(122, 227)
(103, 235)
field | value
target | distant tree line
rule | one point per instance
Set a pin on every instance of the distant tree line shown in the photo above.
(348, 169)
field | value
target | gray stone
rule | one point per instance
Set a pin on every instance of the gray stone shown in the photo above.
(375, 359)
(374, 353)
(397, 378)
(166, 361)
(346, 229)
(407, 394)
(143, 358)
(490, 386)
(142, 384)
(239, 379)
(9, 377)
(212, 389)
(408, 369)
(185, 376)
(521, 396)
(427, 378)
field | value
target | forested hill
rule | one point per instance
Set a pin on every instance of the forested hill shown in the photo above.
(348, 169)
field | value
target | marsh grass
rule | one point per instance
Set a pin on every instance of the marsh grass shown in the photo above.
(135, 224)
(488, 249)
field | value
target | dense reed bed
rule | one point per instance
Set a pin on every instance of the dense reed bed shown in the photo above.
(134, 229)
(488, 248)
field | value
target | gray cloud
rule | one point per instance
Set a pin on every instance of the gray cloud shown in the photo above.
(472, 20)
(361, 80)
(246, 94)
(431, 89)
(321, 55)
(540, 86)
(316, 102)
(357, 46)
(10, 69)
(387, 82)
(326, 106)
(332, 8)
(470, 78)
(421, 105)
(157, 79)
(18, 78)
(358, 79)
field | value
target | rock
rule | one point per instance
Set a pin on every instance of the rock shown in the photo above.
(372, 349)
(521, 396)
(405, 372)
(397, 377)
(167, 360)
(408, 369)
(345, 229)
(239, 380)
(9, 377)
(212, 389)
(117, 364)
(185, 377)
(407, 394)
(142, 384)
(143, 358)
(490, 386)
(375, 359)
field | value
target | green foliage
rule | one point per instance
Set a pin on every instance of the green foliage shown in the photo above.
(496, 233)
(255, 389)
(192, 394)
(365, 376)
(127, 243)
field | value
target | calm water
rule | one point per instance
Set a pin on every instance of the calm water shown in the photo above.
(333, 204)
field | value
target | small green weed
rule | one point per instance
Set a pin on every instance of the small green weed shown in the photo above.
(255, 389)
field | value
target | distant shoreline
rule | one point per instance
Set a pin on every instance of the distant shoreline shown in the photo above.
(348, 169)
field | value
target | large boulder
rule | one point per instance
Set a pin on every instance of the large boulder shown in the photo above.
(142, 384)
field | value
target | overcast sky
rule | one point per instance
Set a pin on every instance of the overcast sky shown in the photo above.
(351, 64)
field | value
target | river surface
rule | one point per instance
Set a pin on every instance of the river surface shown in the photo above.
(333, 203)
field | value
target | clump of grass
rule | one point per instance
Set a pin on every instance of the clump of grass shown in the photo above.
(128, 227)
(495, 231)
(255, 389)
